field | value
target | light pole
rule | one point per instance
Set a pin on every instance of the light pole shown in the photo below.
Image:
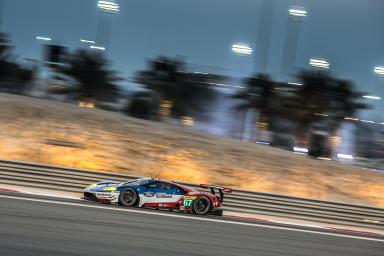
(296, 15)
(374, 97)
(43, 71)
(244, 52)
(1, 14)
(107, 9)
(249, 117)
(264, 35)
(43, 40)
(379, 75)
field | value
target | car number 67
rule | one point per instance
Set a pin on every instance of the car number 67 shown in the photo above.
(188, 202)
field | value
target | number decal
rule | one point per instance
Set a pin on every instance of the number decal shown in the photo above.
(187, 202)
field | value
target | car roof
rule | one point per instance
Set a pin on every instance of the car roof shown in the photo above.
(188, 189)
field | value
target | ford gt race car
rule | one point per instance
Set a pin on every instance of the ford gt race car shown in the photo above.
(159, 194)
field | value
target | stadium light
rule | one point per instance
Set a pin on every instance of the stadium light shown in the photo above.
(87, 41)
(351, 118)
(320, 114)
(108, 6)
(43, 38)
(242, 49)
(368, 121)
(100, 48)
(379, 70)
(294, 83)
(297, 11)
(372, 97)
(319, 63)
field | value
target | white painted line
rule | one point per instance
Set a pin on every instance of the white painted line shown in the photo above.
(307, 225)
(49, 195)
(301, 225)
(191, 218)
(39, 192)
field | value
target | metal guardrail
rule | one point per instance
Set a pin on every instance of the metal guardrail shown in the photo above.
(74, 180)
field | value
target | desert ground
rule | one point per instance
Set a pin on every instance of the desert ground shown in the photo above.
(105, 141)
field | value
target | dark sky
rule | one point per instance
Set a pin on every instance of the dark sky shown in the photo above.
(349, 33)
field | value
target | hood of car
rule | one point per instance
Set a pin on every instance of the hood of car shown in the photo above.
(103, 186)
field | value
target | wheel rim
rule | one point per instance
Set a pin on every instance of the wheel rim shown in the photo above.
(201, 205)
(128, 197)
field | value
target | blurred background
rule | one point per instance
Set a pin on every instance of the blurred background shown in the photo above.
(303, 76)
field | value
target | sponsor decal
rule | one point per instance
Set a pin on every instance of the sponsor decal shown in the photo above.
(149, 194)
(104, 194)
(163, 195)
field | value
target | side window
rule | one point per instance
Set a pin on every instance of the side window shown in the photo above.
(153, 185)
(159, 185)
(165, 186)
(176, 189)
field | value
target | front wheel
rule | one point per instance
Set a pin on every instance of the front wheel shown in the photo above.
(128, 197)
(201, 206)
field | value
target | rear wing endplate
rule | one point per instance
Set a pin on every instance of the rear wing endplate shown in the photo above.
(221, 190)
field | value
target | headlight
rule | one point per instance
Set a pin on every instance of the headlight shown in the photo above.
(110, 189)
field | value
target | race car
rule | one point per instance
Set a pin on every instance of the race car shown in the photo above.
(159, 194)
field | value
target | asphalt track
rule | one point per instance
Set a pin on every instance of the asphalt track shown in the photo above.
(39, 226)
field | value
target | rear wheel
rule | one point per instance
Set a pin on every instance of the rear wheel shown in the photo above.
(202, 205)
(128, 197)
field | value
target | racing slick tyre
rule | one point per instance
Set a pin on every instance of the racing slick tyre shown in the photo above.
(128, 197)
(201, 206)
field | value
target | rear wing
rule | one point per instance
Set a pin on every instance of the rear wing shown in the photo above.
(221, 190)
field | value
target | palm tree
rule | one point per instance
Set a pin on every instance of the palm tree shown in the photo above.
(5, 50)
(180, 92)
(13, 77)
(344, 102)
(308, 105)
(322, 99)
(259, 95)
(91, 76)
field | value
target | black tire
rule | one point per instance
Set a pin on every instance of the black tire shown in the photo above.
(128, 197)
(90, 197)
(202, 205)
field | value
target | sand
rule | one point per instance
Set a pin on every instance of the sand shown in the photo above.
(106, 141)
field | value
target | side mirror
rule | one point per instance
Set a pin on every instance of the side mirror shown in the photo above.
(227, 190)
(204, 186)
